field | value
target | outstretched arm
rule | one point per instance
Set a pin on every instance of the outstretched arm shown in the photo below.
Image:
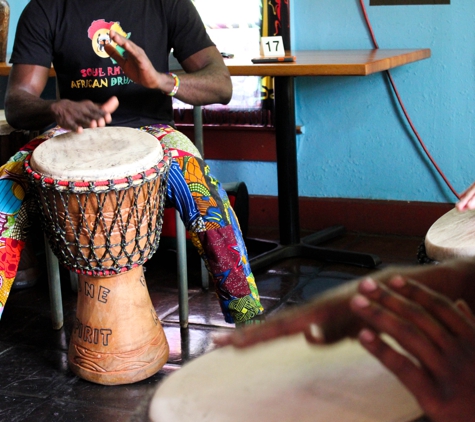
(25, 109)
(328, 317)
(206, 80)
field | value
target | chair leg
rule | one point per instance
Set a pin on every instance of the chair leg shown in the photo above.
(198, 132)
(74, 280)
(182, 271)
(54, 283)
(204, 276)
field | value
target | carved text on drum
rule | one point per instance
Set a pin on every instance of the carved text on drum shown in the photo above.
(91, 335)
(89, 290)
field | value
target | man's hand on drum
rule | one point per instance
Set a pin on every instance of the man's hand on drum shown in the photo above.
(467, 199)
(437, 333)
(76, 116)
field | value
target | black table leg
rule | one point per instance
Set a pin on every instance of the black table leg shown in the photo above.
(290, 245)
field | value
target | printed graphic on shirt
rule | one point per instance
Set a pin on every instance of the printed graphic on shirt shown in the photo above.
(99, 31)
(107, 76)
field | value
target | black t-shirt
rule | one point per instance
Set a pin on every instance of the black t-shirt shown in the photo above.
(71, 33)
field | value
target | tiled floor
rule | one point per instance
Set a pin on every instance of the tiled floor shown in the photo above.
(36, 384)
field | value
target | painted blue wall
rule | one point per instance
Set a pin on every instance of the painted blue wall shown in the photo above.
(16, 6)
(356, 145)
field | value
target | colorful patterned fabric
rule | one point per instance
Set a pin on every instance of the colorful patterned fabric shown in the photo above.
(199, 197)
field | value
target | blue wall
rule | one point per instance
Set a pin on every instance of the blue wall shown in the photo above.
(355, 143)
(16, 6)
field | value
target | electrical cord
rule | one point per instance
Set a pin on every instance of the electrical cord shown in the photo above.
(403, 108)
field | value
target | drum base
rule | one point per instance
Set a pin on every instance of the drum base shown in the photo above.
(117, 337)
(422, 257)
(117, 368)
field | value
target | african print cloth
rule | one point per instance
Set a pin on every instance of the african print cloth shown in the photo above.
(198, 196)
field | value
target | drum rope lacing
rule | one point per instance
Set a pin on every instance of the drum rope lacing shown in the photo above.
(103, 227)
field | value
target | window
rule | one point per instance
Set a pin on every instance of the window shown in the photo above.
(235, 28)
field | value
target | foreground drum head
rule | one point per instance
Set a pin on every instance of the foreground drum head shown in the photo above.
(97, 154)
(452, 236)
(284, 381)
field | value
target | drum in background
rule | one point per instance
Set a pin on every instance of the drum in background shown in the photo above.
(286, 380)
(451, 236)
(101, 196)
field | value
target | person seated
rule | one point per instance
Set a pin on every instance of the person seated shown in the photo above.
(426, 309)
(111, 64)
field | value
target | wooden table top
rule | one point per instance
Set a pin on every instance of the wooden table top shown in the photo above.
(317, 63)
(330, 63)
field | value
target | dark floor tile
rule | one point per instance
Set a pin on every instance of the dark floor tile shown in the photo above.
(314, 286)
(36, 297)
(165, 302)
(38, 332)
(126, 397)
(19, 408)
(67, 411)
(16, 321)
(189, 343)
(277, 285)
(204, 310)
(32, 371)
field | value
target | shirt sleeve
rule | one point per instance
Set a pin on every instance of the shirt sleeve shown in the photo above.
(33, 39)
(187, 32)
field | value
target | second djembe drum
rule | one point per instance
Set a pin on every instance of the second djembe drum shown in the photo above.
(101, 195)
(451, 236)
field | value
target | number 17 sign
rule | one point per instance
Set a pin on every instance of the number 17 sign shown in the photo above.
(272, 46)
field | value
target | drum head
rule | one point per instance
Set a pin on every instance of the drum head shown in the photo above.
(452, 236)
(286, 380)
(104, 153)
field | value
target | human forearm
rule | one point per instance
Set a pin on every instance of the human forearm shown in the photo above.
(207, 86)
(26, 111)
(453, 278)
(205, 79)
(328, 317)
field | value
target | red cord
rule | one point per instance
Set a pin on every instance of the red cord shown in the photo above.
(403, 108)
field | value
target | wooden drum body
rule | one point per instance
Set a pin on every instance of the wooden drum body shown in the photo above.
(101, 195)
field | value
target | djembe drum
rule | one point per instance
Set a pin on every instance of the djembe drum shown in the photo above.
(451, 236)
(101, 197)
